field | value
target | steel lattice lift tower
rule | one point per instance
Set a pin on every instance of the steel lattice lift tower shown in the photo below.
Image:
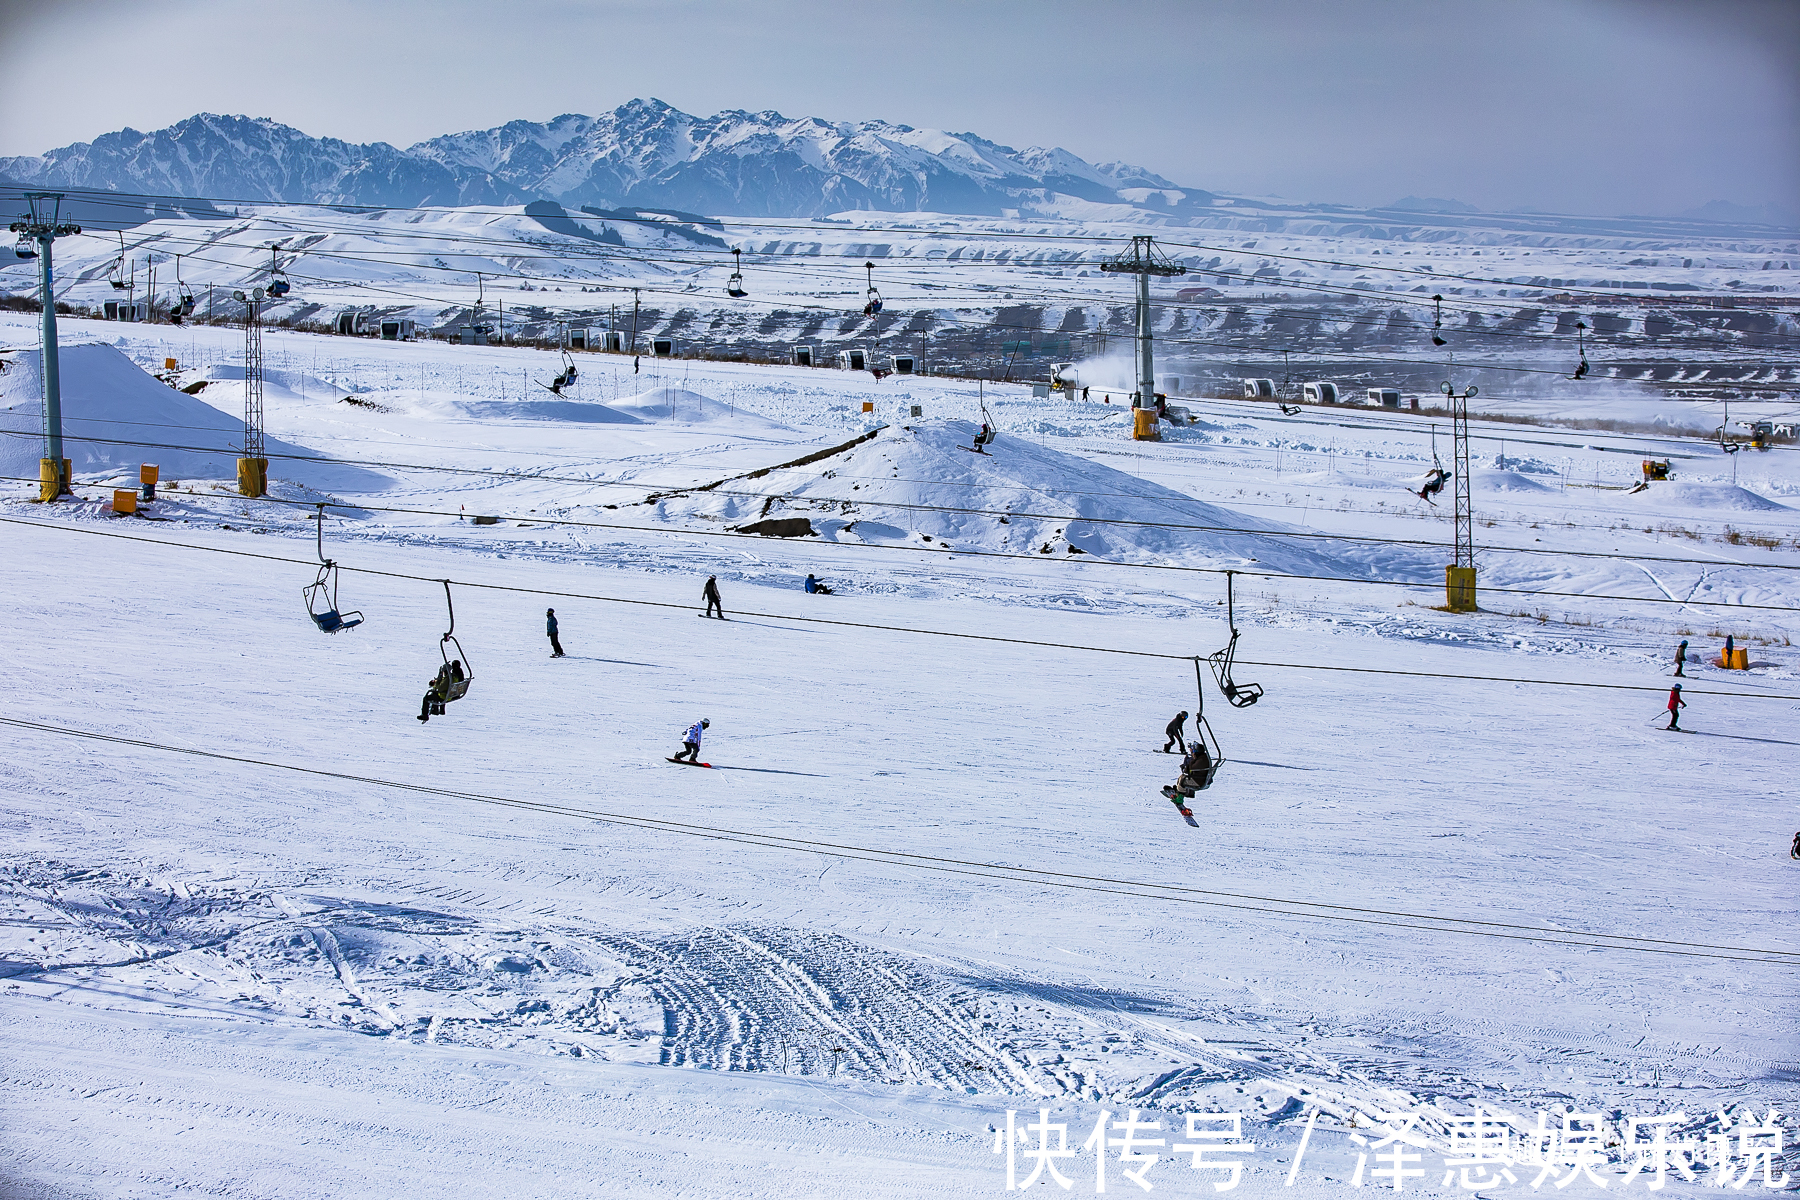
(1143, 260)
(1459, 576)
(43, 227)
(253, 467)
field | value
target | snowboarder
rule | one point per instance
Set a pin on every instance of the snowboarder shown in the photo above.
(1434, 483)
(437, 692)
(1197, 771)
(710, 594)
(690, 741)
(816, 586)
(556, 650)
(1174, 732)
(1676, 704)
(1681, 660)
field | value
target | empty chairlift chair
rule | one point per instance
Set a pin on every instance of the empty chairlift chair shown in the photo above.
(322, 593)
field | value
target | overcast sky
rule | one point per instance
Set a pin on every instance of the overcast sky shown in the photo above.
(1594, 106)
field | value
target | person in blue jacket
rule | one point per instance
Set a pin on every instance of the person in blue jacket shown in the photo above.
(690, 741)
(556, 650)
(816, 587)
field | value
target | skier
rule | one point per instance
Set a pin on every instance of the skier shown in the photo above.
(1681, 659)
(690, 742)
(437, 692)
(816, 586)
(710, 593)
(556, 650)
(1433, 484)
(1676, 704)
(1174, 732)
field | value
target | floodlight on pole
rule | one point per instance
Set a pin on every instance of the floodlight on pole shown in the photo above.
(44, 226)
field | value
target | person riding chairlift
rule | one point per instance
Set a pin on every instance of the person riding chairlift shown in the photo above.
(1434, 484)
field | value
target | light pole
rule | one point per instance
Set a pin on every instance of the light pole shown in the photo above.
(44, 226)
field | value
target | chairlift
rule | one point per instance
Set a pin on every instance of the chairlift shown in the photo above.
(278, 280)
(1581, 369)
(454, 676)
(874, 301)
(25, 247)
(116, 276)
(1241, 695)
(321, 594)
(1437, 321)
(734, 287)
(1437, 476)
(1204, 758)
(565, 377)
(984, 437)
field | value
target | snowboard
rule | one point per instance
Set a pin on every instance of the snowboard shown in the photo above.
(710, 615)
(685, 763)
(1187, 814)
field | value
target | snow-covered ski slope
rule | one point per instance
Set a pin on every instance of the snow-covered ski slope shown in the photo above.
(827, 967)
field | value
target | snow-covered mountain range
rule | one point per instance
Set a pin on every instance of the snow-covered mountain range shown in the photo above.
(643, 153)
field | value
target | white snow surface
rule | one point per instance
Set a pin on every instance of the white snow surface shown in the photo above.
(223, 976)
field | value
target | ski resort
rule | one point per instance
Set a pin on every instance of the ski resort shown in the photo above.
(1192, 692)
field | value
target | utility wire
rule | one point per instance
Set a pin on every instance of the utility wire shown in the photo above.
(976, 637)
(1303, 909)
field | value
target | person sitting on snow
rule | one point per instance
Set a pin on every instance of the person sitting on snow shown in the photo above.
(816, 587)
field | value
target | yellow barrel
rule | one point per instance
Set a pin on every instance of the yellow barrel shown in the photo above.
(124, 502)
(1459, 589)
(1143, 425)
(253, 477)
(148, 473)
(51, 484)
(1740, 658)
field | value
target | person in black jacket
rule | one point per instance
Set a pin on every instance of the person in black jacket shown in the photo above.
(556, 650)
(1174, 732)
(710, 593)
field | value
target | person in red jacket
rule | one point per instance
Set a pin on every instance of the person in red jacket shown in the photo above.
(1676, 704)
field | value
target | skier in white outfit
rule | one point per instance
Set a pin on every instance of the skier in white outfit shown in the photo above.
(690, 741)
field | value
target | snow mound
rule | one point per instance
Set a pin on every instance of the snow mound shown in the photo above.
(1507, 481)
(1729, 496)
(116, 416)
(678, 406)
(581, 412)
(921, 484)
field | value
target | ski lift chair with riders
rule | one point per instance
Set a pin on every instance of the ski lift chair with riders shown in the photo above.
(451, 683)
(873, 304)
(734, 287)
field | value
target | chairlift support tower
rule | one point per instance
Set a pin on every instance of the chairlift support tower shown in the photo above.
(44, 226)
(1459, 576)
(253, 467)
(1143, 260)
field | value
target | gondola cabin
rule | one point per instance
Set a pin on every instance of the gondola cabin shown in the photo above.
(399, 329)
(663, 347)
(902, 364)
(853, 360)
(614, 342)
(578, 339)
(803, 356)
(1384, 397)
(1259, 389)
(1319, 392)
(349, 323)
